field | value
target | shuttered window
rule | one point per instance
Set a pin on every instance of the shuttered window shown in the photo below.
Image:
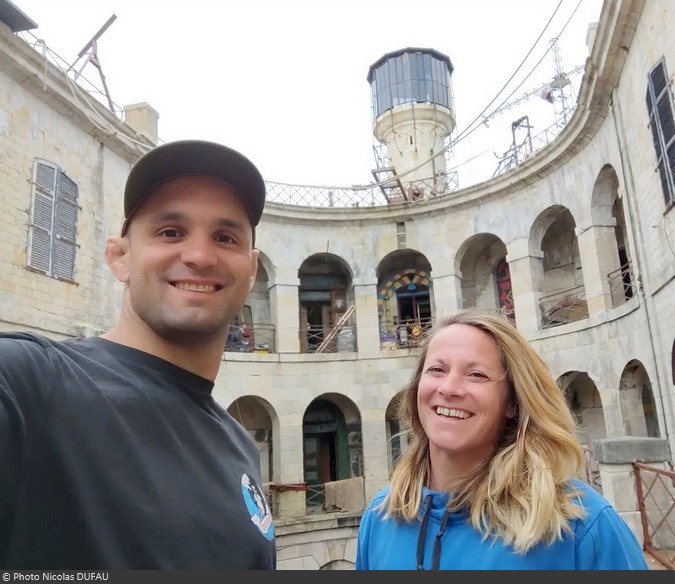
(53, 222)
(662, 124)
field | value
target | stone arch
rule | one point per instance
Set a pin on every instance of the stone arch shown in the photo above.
(607, 210)
(404, 298)
(636, 400)
(395, 434)
(558, 277)
(261, 421)
(326, 292)
(480, 257)
(586, 403)
(341, 564)
(332, 445)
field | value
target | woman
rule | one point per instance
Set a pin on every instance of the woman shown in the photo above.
(488, 480)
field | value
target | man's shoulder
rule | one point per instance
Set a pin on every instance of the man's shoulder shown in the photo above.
(13, 344)
(29, 342)
(27, 352)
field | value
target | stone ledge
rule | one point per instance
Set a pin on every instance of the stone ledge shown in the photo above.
(629, 449)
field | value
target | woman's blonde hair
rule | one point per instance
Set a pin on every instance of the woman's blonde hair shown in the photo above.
(523, 493)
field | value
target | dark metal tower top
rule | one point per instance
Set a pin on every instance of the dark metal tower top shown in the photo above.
(411, 75)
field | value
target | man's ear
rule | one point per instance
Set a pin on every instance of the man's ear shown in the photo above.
(254, 268)
(117, 257)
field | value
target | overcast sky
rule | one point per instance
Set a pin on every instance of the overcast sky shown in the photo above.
(284, 81)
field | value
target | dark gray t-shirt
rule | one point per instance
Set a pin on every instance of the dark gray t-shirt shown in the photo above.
(113, 459)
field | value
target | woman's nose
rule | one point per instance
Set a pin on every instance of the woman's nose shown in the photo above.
(451, 385)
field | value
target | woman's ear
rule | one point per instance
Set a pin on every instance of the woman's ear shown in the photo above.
(117, 257)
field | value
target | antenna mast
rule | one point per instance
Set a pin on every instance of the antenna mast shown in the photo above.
(90, 54)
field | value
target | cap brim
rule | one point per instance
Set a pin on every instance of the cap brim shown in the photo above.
(190, 157)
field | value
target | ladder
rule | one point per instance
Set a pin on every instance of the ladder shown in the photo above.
(335, 330)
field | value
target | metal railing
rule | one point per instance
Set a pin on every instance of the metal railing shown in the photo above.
(591, 469)
(257, 338)
(622, 284)
(315, 337)
(403, 334)
(656, 500)
(564, 306)
(389, 192)
(314, 498)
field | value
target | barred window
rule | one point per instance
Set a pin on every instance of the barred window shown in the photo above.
(52, 230)
(662, 124)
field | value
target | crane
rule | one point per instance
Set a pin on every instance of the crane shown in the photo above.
(558, 92)
(545, 91)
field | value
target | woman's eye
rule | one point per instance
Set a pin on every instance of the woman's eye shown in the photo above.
(478, 375)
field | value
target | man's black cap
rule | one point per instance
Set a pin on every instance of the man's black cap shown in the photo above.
(194, 157)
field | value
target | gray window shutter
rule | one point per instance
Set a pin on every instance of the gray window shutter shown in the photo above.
(662, 124)
(65, 228)
(40, 231)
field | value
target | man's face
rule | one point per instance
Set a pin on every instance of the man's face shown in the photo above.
(190, 262)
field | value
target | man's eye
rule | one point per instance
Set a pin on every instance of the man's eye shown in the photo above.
(170, 233)
(225, 238)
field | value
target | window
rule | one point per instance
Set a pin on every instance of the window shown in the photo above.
(52, 228)
(662, 124)
(400, 234)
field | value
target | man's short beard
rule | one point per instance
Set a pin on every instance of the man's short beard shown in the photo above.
(184, 337)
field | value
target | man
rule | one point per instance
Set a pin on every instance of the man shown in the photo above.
(113, 452)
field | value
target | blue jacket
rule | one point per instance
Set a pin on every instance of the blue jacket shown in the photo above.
(601, 541)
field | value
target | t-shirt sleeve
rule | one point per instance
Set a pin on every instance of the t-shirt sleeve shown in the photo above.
(23, 364)
(609, 544)
(10, 446)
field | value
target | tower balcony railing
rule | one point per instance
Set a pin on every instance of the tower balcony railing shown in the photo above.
(381, 194)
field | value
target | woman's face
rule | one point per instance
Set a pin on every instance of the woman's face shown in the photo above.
(463, 400)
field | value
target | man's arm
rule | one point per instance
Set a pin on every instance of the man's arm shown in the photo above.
(11, 445)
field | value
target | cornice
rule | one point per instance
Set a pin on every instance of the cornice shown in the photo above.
(36, 74)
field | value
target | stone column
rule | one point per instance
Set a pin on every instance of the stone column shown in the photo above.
(447, 290)
(527, 278)
(367, 324)
(288, 472)
(599, 256)
(615, 457)
(285, 311)
(375, 460)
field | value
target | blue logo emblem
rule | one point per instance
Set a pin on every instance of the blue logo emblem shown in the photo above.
(257, 506)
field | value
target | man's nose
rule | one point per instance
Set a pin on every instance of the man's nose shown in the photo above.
(199, 251)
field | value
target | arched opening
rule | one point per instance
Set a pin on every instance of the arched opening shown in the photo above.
(332, 448)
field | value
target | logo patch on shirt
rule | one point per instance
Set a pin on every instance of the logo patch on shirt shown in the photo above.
(257, 506)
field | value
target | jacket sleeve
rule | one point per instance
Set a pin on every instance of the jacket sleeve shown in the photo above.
(363, 539)
(609, 544)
